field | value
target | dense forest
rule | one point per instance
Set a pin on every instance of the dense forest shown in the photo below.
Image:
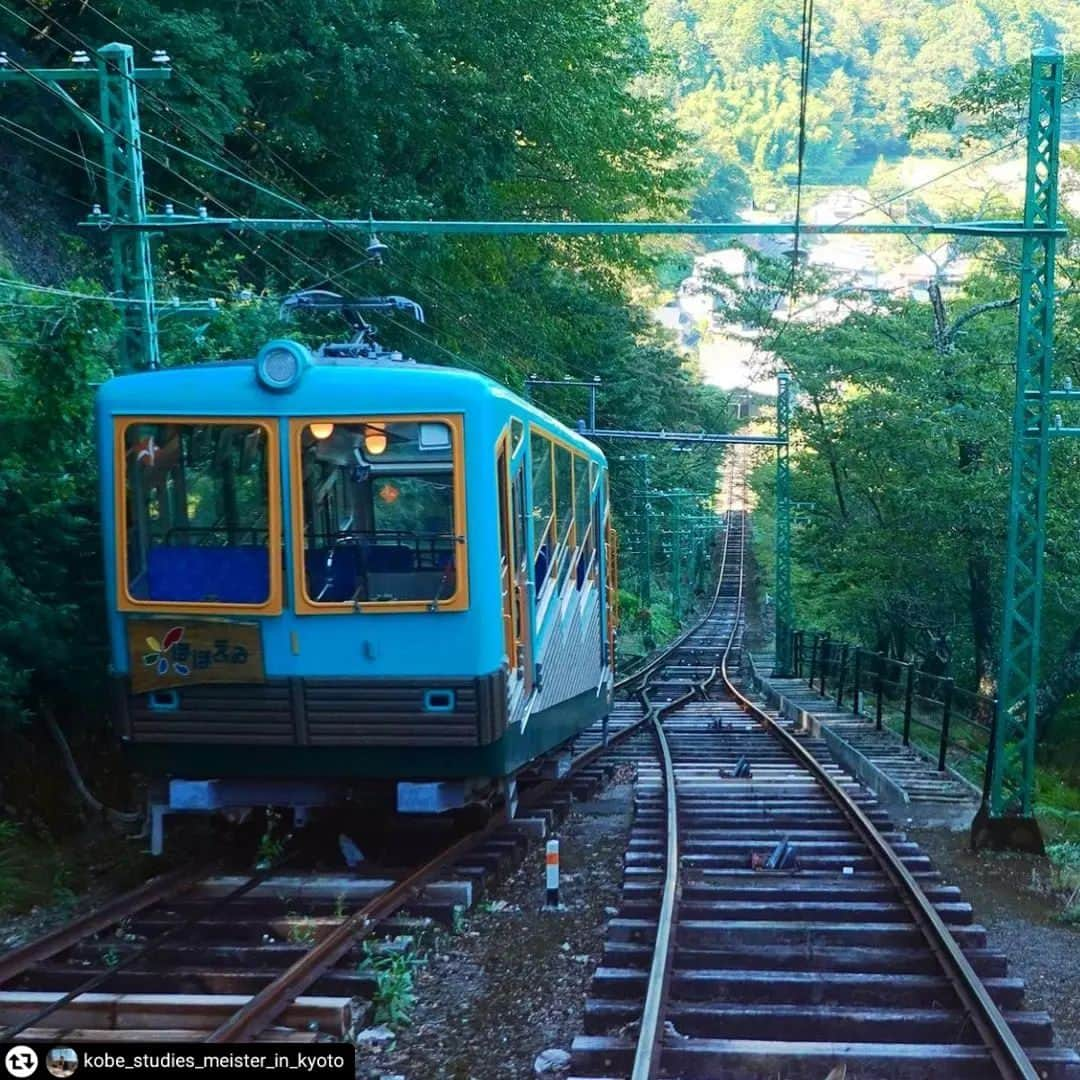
(901, 462)
(733, 79)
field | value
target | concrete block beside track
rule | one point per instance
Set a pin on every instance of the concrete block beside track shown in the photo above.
(906, 783)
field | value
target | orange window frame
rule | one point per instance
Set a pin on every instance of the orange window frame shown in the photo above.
(549, 524)
(503, 458)
(125, 601)
(303, 604)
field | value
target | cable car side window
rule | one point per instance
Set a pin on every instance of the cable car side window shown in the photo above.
(381, 514)
(200, 520)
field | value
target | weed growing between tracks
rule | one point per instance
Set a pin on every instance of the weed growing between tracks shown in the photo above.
(395, 991)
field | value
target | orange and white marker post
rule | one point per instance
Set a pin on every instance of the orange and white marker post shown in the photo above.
(552, 868)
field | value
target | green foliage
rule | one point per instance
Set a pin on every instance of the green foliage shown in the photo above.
(395, 993)
(51, 619)
(301, 930)
(269, 850)
(733, 76)
(990, 104)
(900, 462)
(1065, 877)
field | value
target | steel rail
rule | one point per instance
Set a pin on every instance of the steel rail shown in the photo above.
(162, 887)
(651, 1030)
(1008, 1055)
(102, 977)
(275, 997)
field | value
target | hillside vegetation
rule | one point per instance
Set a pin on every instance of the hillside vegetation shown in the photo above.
(734, 78)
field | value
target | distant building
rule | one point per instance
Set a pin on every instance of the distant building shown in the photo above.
(944, 264)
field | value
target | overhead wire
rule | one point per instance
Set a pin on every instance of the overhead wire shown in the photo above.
(323, 273)
(26, 286)
(288, 199)
(296, 256)
(327, 274)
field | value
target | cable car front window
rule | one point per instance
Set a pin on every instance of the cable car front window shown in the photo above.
(197, 511)
(379, 512)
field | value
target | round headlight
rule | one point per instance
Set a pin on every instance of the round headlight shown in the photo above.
(280, 364)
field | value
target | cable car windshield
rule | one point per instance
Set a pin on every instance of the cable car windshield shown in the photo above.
(197, 510)
(379, 512)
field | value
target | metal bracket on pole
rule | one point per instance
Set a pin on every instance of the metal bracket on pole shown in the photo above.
(593, 385)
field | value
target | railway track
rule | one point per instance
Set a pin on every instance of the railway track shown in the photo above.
(203, 955)
(855, 954)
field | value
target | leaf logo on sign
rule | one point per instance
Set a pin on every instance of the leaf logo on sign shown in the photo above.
(169, 652)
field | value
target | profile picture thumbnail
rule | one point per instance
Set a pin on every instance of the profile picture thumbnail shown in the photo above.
(61, 1061)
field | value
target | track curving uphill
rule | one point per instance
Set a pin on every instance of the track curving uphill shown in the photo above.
(733, 958)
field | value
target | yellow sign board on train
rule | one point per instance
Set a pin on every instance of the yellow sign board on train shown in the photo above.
(167, 654)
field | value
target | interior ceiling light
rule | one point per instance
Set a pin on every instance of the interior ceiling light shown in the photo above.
(375, 441)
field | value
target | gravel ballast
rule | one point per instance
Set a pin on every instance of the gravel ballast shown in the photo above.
(512, 983)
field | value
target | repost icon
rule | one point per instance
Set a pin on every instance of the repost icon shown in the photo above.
(20, 1062)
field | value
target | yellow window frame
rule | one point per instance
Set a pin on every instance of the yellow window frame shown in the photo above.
(303, 604)
(125, 601)
(503, 458)
(541, 528)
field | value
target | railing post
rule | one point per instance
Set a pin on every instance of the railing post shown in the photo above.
(989, 755)
(826, 650)
(813, 658)
(877, 691)
(855, 687)
(946, 716)
(840, 674)
(908, 693)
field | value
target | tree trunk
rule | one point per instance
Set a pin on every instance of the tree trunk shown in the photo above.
(830, 455)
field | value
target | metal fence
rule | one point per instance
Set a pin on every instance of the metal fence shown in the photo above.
(928, 711)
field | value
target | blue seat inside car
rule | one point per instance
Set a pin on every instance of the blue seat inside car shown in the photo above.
(350, 561)
(389, 559)
(227, 575)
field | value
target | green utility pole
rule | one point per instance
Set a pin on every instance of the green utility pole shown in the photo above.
(645, 588)
(675, 499)
(125, 188)
(646, 550)
(784, 615)
(113, 69)
(1008, 820)
(676, 559)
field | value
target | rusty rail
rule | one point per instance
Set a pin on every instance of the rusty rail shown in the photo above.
(651, 1031)
(1009, 1057)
